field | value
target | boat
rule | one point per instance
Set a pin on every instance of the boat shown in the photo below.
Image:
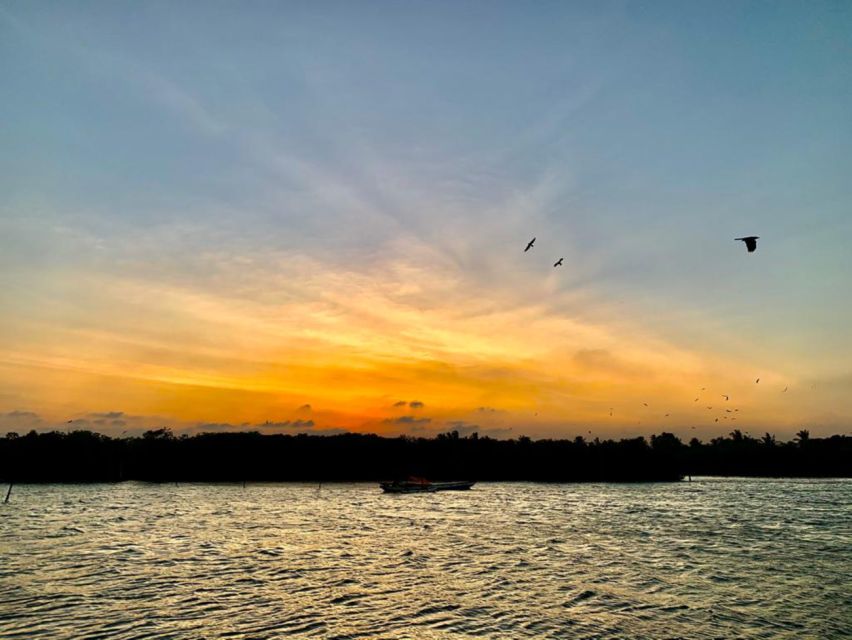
(421, 485)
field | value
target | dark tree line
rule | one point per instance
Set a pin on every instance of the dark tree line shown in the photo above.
(159, 456)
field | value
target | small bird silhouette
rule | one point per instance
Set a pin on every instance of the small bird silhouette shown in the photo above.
(696, 400)
(529, 245)
(785, 390)
(756, 381)
(725, 397)
(645, 403)
(558, 263)
(750, 242)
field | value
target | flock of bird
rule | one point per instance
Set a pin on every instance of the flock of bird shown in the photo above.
(751, 246)
(727, 398)
(530, 244)
(750, 243)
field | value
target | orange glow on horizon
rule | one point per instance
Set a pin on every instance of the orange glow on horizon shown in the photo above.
(204, 357)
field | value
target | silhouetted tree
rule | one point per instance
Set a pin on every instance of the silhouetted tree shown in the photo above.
(82, 456)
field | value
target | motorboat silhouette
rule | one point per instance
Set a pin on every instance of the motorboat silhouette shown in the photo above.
(421, 485)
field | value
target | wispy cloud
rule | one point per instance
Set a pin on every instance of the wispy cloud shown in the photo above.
(352, 251)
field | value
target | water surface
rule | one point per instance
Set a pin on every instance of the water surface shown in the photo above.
(709, 559)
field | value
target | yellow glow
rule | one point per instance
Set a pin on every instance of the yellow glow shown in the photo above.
(351, 347)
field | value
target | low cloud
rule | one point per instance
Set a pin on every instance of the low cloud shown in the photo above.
(22, 414)
(288, 424)
(408, 420)
(420, 429)
(463, 428)
(111, 423)
(111, 415)
(19, 420)
(414, 404)
(466, 428)
(209, 427)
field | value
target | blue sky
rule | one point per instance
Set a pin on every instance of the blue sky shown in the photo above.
(400, 153)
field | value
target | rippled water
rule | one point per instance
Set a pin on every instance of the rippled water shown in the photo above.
(707, 559)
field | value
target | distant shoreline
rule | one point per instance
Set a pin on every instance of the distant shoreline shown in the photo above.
(312, 484)
(159, 456)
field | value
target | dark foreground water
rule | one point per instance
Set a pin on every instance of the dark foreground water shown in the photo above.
(707, 559)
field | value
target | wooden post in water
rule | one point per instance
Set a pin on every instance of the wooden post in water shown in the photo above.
(9, 492)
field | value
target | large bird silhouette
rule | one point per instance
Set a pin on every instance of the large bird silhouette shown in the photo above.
(750, 242)
(529, 246)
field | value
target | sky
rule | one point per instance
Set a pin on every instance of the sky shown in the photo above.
(310, 217)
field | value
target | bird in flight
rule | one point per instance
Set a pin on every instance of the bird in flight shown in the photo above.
(785, 390)
(529, 245)
(645, 403)
(750, 242)
(725, 397)
(558, 263)
(756, 381)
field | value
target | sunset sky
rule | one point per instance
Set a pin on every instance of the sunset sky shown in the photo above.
(311, 216)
